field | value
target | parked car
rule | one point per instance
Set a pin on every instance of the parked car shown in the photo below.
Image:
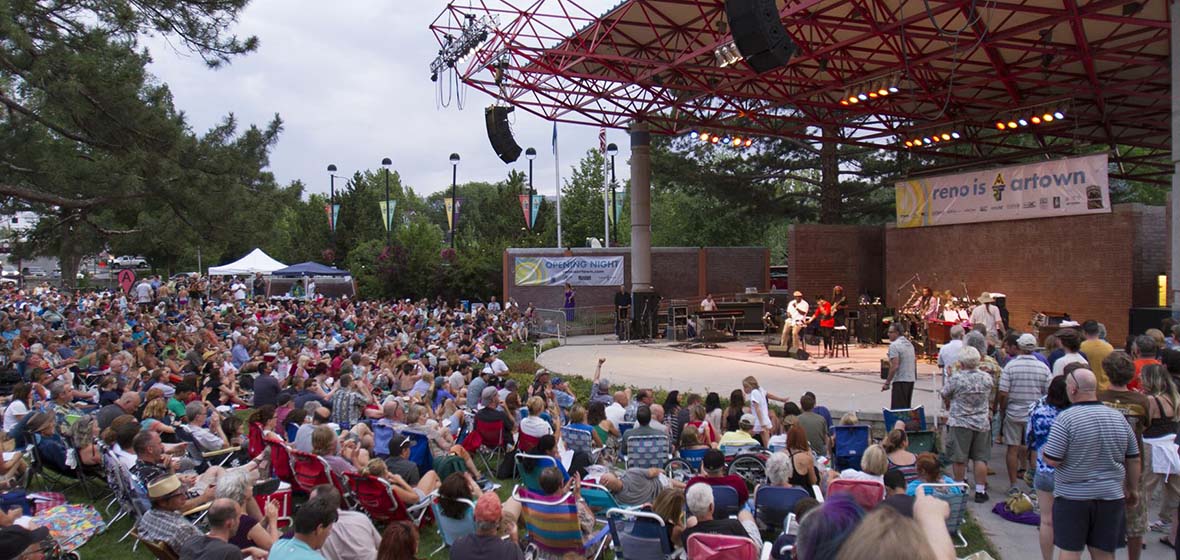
(35, 271)
(128, 261)
(9, 272)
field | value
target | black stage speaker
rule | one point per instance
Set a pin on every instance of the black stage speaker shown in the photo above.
(646, 307)
(500, 133)
(777, 351)
(759, 34)
(1143, 318)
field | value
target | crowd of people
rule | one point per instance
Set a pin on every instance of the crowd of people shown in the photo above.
(173, 379)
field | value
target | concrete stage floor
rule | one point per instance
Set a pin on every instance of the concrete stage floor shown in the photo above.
(853, 383)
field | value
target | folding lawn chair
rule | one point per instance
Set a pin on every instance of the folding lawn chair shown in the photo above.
(375, 497)
(638, 535)
(867, 493)
(851, 443)
(529, 467)
(553, 528)
(957, 503)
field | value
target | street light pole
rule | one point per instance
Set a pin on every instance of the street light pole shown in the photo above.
(612, 150)
(388, 229)
(530, 154)
(454, 197)
(332, 206)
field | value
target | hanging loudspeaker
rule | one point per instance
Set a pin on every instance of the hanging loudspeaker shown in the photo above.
(759, 34)
(500, 134)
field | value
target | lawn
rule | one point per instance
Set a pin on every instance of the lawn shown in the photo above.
(520, 361)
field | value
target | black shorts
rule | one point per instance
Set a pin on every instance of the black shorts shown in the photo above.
(1100, 524)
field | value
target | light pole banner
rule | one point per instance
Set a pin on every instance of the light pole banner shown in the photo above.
(578, 271)
(335, 216)
(454, 207)
(1064, 187)
(387, 209)
(529, 221)
(331, 222)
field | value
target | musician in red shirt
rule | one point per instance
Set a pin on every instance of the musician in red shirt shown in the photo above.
(827, 321)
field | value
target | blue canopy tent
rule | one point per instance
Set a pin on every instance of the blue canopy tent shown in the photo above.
(309, 269)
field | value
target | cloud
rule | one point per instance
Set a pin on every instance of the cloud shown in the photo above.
(351, 81)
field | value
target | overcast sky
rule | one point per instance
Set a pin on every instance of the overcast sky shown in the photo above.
(351, 82)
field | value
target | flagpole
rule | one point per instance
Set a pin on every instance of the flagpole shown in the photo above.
(557, 180)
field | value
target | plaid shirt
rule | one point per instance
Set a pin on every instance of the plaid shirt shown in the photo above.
(166, 526)
(346, 406)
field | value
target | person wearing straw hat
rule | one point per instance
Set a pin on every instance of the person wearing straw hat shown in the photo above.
(164, 522)
(987, 314)
(796, 321)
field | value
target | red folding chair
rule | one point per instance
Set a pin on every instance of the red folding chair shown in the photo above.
(867, 493)
(255, 444)
(706, 546)
(280, 462)
(312, 470)
(492, 442)
(525, 442)
(376, 497)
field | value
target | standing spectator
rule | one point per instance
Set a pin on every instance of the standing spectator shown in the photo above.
(759, 406)
(1143, 350)
(1072, 345)
(987, 315)
(903, 369)
(1134, 406)
(1024, 380)
(349, 401)
(1159, 438)
(1040, 421)
(266, 386)
(1096, 350)
(313, 524)
(1096, 471)
(948, 355)
(967, 395)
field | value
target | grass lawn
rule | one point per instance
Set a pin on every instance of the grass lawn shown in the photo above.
(519, 359)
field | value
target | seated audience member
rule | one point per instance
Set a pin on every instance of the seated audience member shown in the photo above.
(713, 473)
(873, 464)
(895, 496)
(400, 542)
(885, 533)
(669, 505)
(896, 445)
(690, 439)
(700, 509)
(164, 522)
(448, 456)
(824, 529)
(486, 543)
(342, 458)
(320, 416)
(930, 472)
(251, 531)
(642, 428)
(223, 519)
(312, 524)
(607, 431)
(490, 413)
(455, 487)
(353, 536)
(534, 425)
(697, 419)
(409, 486)
(636, 486)
(208, 439)
(804, 473)
(742, 436)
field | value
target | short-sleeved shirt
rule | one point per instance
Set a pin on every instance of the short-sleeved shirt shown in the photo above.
(816, 427)
(1134, 407)
(1097, 350)
(1025, 379)
(907, 364)
(266, 390)
(346, 406)
(166, 526)
(293, 549)
(970, 394)
(758, 405)
(1040, 421)
(209, 548)
(485, 547)
(404, 468)
(1092, 443)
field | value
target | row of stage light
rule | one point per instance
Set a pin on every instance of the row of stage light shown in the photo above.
(722, 140)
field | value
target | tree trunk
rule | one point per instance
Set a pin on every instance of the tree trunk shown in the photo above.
(68, 256)
(830, 198)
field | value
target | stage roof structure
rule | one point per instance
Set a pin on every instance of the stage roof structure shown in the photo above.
(960, 65)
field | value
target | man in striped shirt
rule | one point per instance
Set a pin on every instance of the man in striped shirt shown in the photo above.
(1095, 457)
(1023, 380)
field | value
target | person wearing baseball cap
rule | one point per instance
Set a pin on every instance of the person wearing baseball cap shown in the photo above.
(713, 473)
(18, 542)
(164, 521)
(486, 541)
(1024, 380)
(743, 435)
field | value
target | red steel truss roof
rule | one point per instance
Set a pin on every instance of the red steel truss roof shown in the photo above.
(959, 64)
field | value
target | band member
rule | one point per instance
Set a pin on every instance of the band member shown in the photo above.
(622, 310)
(823, 314)
(928, 305)
(839, 305)
(708, 304)
(796, 321)
(988, 314)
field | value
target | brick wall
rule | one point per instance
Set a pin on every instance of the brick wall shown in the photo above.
(676, 274)
(1092, 267)
(823, 256)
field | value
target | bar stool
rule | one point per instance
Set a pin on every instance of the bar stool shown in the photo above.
(840, 341)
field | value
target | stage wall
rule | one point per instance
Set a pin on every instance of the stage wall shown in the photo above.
(677, 273)
(1092, 267)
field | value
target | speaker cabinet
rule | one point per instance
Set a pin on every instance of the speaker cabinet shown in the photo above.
(500, 134)
(646, 307)
(759, 34)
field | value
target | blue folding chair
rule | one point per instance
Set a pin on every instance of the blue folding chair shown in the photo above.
(638, 535)
(420, 451)
(529, 468)
(851, 442)
(772, 504)
(624, 426)
(686, 464)
(914, 418)
(382, 435)
(449, 528)
(647, 451)
(726, 502)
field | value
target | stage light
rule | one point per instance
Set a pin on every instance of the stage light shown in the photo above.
(854, 100)
(1059, 115)
(946, 136)
(844, 102)
(704, 136)
(714, 139)
(883, 92)
(955, 135)
(1047, 117)
(909, 143)
(725, 140)
(1011, 124)
(872, 94)
(1022, 122)
(1000, 125)
(749, 142)
(1036, 120)
(893, 89)
(862, 97)
(917, 142)
(693, 135)
(737, 142)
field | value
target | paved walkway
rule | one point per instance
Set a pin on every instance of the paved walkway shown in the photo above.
(852, 384)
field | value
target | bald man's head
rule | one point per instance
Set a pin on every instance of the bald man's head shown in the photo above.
(621, 398)
(1081, 385)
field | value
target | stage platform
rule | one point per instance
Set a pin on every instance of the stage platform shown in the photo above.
(853, 383)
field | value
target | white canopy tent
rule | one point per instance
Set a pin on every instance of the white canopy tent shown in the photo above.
(256, 261)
